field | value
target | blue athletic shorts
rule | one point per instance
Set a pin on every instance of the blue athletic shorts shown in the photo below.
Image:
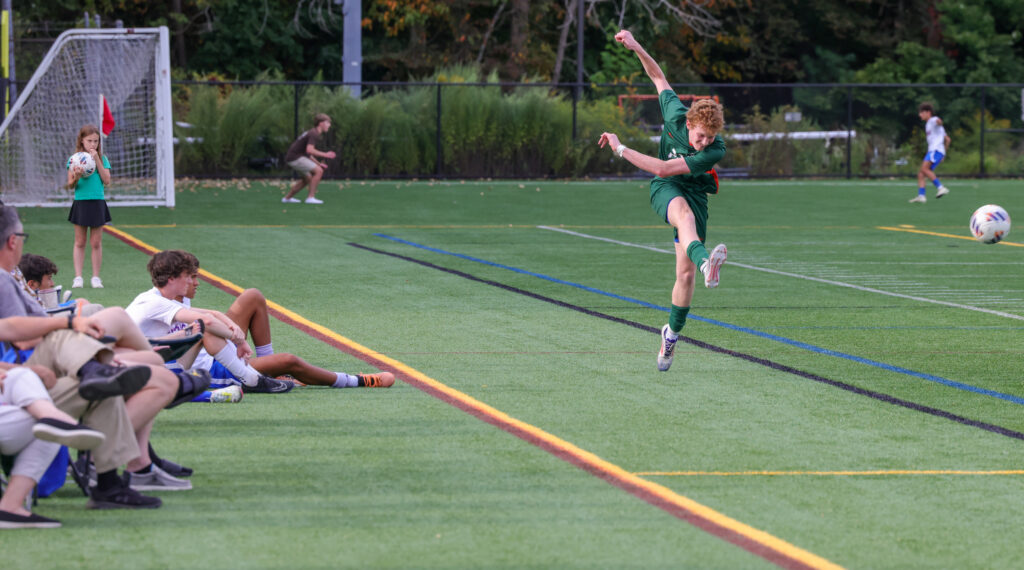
(934, 157)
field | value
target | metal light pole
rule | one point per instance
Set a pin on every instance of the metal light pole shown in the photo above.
(352, 46)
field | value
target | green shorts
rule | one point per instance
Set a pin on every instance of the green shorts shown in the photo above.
(664, 191)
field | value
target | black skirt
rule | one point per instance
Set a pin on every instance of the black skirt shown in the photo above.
(89, 213)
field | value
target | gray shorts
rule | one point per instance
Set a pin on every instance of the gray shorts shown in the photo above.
(303, 165)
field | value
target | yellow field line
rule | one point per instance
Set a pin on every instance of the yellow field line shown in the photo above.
(916, 231)
(585, 459)
(877, 472)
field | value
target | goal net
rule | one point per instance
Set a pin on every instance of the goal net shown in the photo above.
(130, 68)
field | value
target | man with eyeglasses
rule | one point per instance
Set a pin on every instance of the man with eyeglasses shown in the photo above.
(90, 382)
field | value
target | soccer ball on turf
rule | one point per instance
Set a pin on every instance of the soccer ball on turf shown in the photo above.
(85, 161)
(990, 224)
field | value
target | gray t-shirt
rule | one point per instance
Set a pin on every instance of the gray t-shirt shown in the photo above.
(14, 301)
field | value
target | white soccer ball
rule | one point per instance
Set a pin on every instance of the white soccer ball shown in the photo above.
(84, 161)
(990, 224)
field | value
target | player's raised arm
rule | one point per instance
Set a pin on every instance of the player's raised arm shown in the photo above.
(625, 37)
(654, 165)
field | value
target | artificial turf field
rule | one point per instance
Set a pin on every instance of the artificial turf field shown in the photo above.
(851, 394)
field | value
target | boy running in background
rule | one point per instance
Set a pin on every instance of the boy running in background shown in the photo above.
(690, 147)
(938, 141)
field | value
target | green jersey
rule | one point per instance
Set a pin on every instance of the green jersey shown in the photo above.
(675, 143)
(90, 187)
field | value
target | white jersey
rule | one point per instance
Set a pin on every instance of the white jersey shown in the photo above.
(936, 135)
(155, 313)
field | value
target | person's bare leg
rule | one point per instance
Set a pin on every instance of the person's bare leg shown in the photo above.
(19, 487)
(283, 363)
(249, 311)
(314, 180)
(681, 217)
(40, 409)
(144, 405)
(116, 323)
(78, 253)
(96, 245)
(298, 185)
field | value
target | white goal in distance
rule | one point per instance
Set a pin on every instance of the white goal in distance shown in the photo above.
(131, 69)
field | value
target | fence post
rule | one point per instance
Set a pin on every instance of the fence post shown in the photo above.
(982, 145)
(849, 131)
(440, 154)
(295, 125)
(575, 97)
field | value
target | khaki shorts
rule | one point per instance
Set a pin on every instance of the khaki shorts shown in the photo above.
(303, 165)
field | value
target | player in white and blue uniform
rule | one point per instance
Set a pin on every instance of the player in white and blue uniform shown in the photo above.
(938, 141)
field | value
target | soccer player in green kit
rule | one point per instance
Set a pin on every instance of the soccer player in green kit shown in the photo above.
(690, 147)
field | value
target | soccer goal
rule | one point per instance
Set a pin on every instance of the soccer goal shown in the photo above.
(130, 69)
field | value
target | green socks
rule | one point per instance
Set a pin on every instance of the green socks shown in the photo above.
(677, 318)
(697, 253)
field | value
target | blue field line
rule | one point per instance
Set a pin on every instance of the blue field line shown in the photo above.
(737, 328)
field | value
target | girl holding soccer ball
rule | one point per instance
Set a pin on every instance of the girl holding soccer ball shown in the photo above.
(89, 212)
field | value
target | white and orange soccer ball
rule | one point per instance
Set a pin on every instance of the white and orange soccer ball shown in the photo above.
(990, 224)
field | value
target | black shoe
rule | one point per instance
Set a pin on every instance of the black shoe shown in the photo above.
(192, 383)
(76, 436)
(268, 385)
(172, 348)
(11, 520)
(120, 496)
(169, 466)
(101, 381)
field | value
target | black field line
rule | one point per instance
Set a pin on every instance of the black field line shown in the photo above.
(999, 430)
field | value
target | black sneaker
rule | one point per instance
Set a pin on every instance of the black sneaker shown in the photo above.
(101, 381)
(76, 436)
(11, 520)
(268, 385)
(120, 496)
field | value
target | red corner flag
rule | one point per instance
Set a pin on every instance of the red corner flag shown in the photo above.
(108, 118)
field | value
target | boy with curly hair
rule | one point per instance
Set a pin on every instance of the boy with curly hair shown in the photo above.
(683, 177)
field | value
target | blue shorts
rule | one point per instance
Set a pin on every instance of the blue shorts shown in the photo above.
(934, 157)
(221, 377)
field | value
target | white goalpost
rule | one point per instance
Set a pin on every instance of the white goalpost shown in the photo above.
(131, 69)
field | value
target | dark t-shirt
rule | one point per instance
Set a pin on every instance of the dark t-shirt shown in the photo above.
(298, 148)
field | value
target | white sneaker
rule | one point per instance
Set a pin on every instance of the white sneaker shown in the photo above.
(157, 480)
(229, 395)
(942, 191)
(713, 264)
(919, 199)
(314, 201)
(77, 283)
(96, 282)
(667, 350)
(290, 201)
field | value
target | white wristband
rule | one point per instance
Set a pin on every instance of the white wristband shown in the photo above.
(620, 149)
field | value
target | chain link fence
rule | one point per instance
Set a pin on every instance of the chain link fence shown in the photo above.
(548, 130)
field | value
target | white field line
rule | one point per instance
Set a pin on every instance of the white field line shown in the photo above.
(804, 277)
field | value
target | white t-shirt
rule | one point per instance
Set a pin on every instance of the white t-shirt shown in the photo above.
(154, 313)
(936, 135)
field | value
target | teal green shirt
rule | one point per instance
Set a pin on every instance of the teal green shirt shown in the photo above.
(675, 143)
(91, 187)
